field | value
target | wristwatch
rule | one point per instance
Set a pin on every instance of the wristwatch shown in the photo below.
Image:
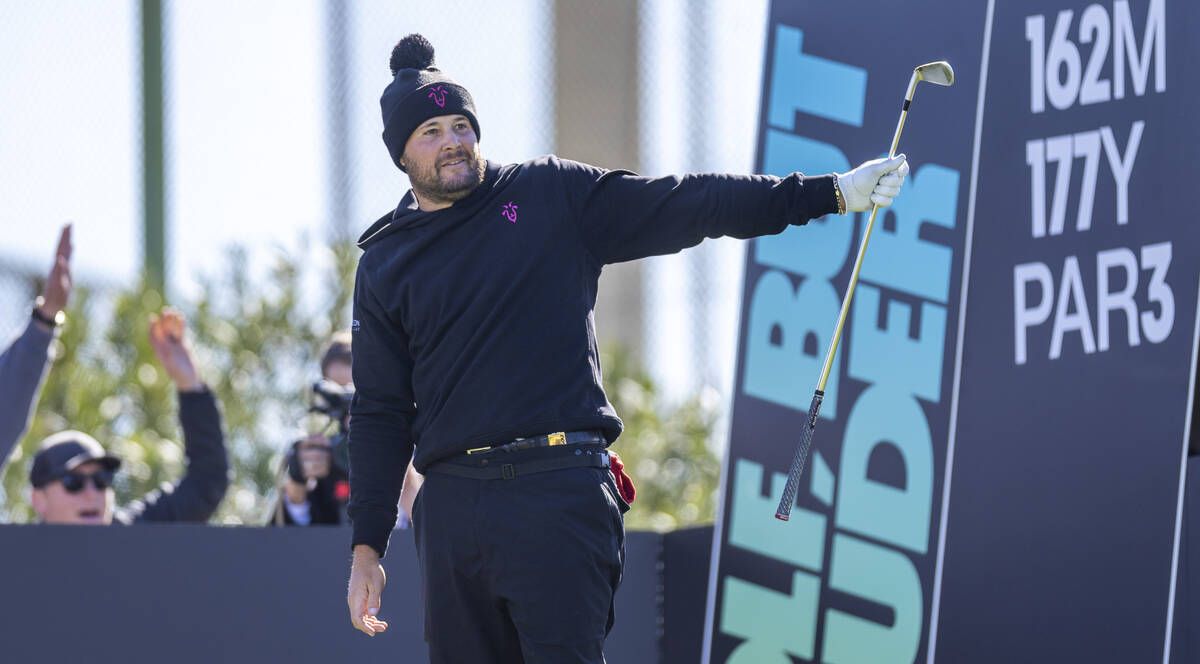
(58, 318)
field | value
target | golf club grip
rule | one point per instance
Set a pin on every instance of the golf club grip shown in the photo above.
(784, 511)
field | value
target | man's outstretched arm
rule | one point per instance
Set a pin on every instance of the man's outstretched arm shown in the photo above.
(196, 497)
(23, 364)
(381, 446)
(624, 216)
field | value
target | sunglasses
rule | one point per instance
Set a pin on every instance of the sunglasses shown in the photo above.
(75, 482)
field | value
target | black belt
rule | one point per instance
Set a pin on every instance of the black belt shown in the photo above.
(496, 468)
(549, 440)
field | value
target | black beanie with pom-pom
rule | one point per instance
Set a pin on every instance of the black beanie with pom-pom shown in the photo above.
(418, 91)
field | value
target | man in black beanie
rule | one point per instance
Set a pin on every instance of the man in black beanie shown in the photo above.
(475, 356)
(422, 97)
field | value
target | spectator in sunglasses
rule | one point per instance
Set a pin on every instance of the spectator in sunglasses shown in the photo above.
(72, 480)
(72, 475)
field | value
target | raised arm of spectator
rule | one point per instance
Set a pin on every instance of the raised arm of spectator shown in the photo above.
(23, 364)
(197, 495)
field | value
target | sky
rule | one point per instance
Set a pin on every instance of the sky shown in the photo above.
(68, 133)
(246, 118)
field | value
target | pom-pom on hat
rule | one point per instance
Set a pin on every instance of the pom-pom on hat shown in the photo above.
(418, 91)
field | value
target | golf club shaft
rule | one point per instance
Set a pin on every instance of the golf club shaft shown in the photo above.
(784, 511)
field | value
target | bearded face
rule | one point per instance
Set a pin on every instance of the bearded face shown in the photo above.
(443, 161)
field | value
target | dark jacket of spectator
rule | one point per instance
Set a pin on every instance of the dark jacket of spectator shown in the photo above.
(325, 506)
(22, 369)
(196, 497)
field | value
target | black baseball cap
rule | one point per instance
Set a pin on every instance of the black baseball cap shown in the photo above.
(63, 452)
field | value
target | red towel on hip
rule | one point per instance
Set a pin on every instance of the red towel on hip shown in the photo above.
(624, 482)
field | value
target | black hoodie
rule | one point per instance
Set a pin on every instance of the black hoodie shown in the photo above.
(473, 324)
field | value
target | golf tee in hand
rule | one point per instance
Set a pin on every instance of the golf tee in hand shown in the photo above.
(874, 182)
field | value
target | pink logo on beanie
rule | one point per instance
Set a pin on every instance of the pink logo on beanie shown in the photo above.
(439, 96)
(510, 212)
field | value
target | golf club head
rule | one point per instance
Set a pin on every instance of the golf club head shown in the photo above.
(938, 73)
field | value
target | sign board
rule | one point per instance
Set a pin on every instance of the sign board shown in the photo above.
(1002, 437)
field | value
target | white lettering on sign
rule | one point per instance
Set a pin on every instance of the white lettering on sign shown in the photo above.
(1057, 72)
(1035, 298)
(1062, 151)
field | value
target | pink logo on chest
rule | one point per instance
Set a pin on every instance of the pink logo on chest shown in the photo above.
(510, 212)
(439, 96)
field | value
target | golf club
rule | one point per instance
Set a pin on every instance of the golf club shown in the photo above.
(938, 73)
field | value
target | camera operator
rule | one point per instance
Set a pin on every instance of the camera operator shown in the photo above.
(315, 486)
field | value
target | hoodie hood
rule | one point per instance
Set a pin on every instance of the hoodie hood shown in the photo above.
(408, 215)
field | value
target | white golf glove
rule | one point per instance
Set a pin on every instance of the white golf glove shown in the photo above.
(876, 181)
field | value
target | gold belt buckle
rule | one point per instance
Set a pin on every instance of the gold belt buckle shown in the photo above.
(559, 438)
(477, 450)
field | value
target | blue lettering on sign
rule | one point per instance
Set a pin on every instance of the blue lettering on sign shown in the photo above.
(813, 85)
(884, 576)
(753, 526)
(901, 259)
(876, 522)
(771, 619)
(790, 330)
(896, 515)
(784, 371)
(887, 355)
(817, 249)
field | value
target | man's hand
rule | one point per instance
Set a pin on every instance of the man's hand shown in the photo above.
(173, 352)
(874, 182)
(58, 282)
(366, 585)
(296, 493)
(314, 454)
(312, 462)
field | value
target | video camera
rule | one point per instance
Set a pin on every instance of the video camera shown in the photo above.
(333, 401)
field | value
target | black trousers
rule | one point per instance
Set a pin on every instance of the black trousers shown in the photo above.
(521, 570)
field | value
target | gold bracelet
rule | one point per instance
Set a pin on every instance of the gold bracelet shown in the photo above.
(841, 199)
